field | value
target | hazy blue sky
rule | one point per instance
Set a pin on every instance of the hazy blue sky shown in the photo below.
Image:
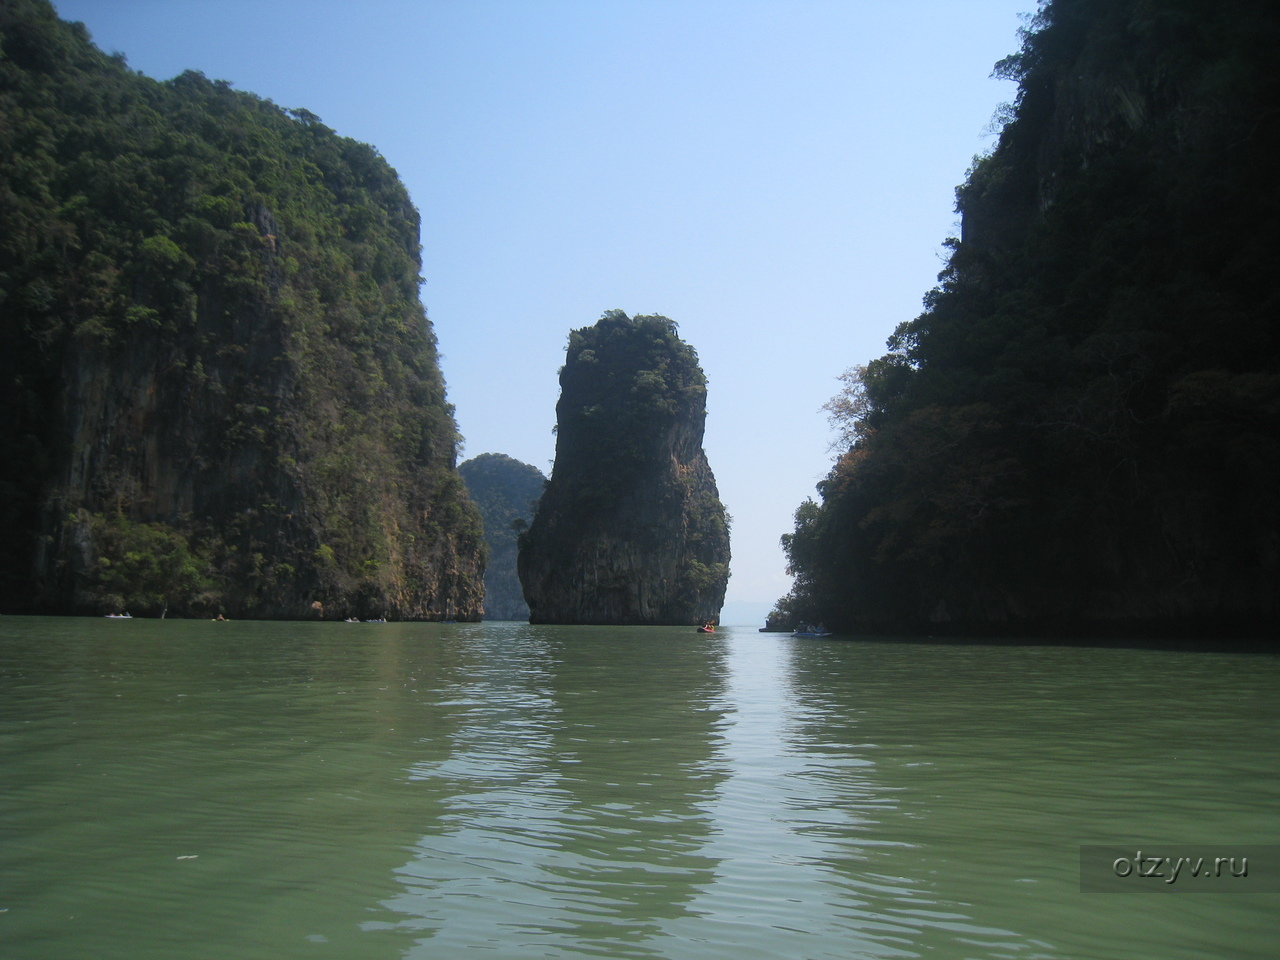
(776, 177)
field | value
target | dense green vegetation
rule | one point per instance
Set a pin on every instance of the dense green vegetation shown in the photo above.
(623, 381)
(630, 528)
(211, 322)
(1082, 429)
(506, 493)
(148, 566)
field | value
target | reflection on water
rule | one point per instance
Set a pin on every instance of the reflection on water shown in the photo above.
(575, 787)
(179, 789)
(1001, 761)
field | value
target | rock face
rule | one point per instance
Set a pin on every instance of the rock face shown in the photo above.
(506, 493)
(221, 390)
(630, 529)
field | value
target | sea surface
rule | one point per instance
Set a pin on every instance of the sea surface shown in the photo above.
(215, 791)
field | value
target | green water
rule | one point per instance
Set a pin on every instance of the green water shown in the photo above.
(177, 790)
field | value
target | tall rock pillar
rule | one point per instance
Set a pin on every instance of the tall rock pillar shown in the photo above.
(630, 529)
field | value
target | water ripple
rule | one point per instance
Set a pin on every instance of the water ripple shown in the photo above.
(427, 791)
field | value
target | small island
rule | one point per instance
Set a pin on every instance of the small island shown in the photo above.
(630, 529)
(506, 492)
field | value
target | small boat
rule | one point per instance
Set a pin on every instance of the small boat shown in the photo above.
(806, 630)
(118, 616)
(708, 628)
(381, 620)
(351, 620)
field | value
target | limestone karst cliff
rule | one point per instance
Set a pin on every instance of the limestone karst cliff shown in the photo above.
(630, 529)
(1081, 432)
(506, 492)
(221, 392)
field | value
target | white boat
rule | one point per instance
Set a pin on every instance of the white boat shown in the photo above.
(808, 630)
(118, 616)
